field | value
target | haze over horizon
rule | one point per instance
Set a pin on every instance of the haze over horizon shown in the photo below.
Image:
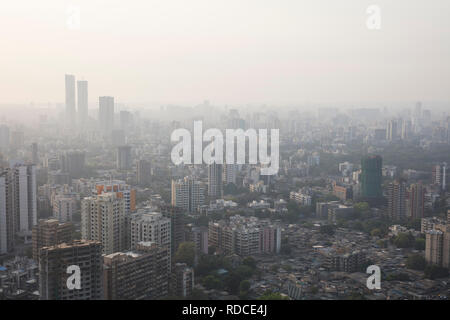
(230, 52)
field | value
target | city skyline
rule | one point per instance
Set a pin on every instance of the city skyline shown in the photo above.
(171, 52)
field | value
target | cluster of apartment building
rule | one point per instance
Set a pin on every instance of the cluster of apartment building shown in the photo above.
(244, 236)
(332, 210)
(141, 272)
(341, 259)
(18, 205)
(437, 241)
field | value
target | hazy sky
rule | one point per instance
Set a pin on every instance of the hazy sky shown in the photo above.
(227, 51)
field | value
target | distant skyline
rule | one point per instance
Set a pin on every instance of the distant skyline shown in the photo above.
(229, 52)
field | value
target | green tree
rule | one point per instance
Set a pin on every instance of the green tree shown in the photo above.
(435, 272)
(416, 262)
(249, 261)
(212, 282)
(362, 208)
(404, 240)
(185, 253)
(197, 294)
(244, 271)
(419, 244)
(270, 295)
(232, 282)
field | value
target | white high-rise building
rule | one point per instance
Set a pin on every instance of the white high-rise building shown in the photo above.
(123, 159)
(70, 100)
(18, 206)
(103, 219)
(4, 138)
(122, 190)
(106, 115)
(188, 194)
(64, 206)
(215, 185)
(82, 103)
(6, 236)
(230, 173)
(150, 226)
(25, 198)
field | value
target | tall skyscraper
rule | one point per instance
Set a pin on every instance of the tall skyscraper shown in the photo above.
(34, 153)
(215, 185)
(53, 264)
(418, 110)
(230, 173)
(121, 189)
(70, 101)
(391, 133)
(140, 274)
(82, 101)
(73, 162)
(123, 159)
(64, 207)
(49, 233)
(439, 176)
(182, 281)
(126, 119)
(106, 115)
(103, 219)
(370, 178)
(7, 229)
(19, 208)
(406, 129)
(143, 172)
(20, 198)
(4, 138)
(397, 200)
(177, 225)
(188, 194)
(415, 202)
(434, 245)
(150, 226)
(199, 236)
(437, 244)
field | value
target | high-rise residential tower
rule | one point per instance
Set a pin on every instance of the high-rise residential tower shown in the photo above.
(103, 219)
(124, 159)
(50, 233)
(53, 276)
(19, 208)
(391, 132)
(439, 176)
(397, 200)
(188, 194)
(150, 226)
(370, 178)
(106, 115)
(143, 172)
(82, 101)
(415, 205)
(139, 274)
(215, 185)
(70, 101)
